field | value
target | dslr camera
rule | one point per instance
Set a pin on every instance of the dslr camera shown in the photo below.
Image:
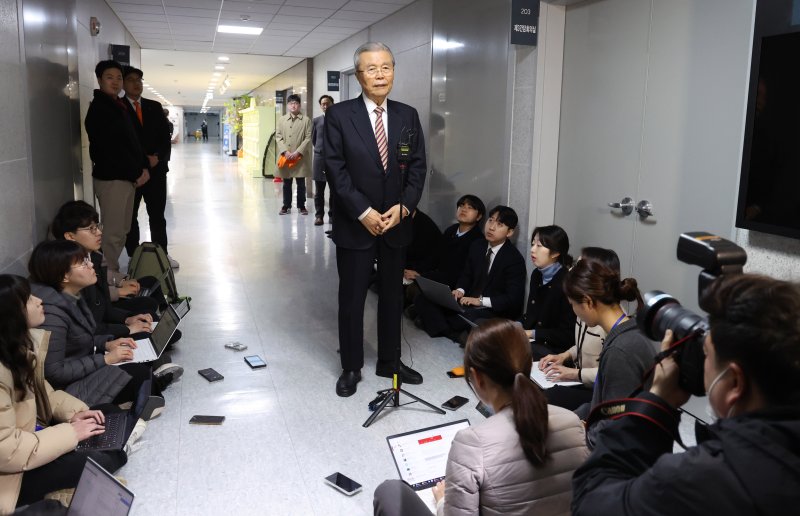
(662, 312)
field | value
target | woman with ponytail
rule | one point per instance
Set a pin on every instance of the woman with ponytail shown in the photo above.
(39, 427)
(520, 460)
(595, 292)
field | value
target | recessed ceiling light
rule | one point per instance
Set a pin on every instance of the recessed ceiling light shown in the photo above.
(219, 67)
(239, 29)
(216, 74)
(223, 58)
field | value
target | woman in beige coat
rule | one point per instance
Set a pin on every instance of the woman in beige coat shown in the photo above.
(517, 462)
(39, 427)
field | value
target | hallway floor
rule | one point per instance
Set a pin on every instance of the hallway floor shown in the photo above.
(269, 282)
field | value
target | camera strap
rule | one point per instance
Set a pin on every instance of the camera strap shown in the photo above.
(663, 417)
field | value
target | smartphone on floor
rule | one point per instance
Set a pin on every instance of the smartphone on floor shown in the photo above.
(210, 374)
(455, 402)
(255, 361)
(207, 420)
(343, 483)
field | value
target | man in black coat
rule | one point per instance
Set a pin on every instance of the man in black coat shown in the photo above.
(492, 284)
(119, 165)
(373, 201)
(152, 128)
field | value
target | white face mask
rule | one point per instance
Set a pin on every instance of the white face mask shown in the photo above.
(714, 413)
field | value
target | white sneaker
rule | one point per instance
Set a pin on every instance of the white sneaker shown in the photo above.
(137, 432)
(173, 262)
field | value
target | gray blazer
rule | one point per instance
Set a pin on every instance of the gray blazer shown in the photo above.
(74, 361)
(317, 133)
(488, 474)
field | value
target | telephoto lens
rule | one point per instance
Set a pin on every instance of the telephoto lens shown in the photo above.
(662, 312)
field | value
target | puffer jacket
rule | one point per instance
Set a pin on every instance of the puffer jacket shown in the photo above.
(21, 447)
(488, 473)
(75, 361)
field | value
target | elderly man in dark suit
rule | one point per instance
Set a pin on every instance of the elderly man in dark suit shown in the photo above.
(370, 215)
(152, 128)
(318, 170)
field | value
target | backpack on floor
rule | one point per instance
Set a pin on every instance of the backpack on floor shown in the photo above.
(149, 259)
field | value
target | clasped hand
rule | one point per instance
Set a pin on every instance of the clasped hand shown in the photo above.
(379, 223)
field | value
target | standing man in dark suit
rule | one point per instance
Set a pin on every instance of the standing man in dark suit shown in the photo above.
(369, 222)
(119, 166)
(317, 133)
(152, 127)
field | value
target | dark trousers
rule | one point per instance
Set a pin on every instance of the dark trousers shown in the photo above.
(319, 200)
(569, 398)
(396, 498)
(355, 268)
(441, 321)
(141, 378)
(154, 193)
(301, 192)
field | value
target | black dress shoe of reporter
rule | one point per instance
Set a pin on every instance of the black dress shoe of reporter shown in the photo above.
(407, 375)
(347, 382)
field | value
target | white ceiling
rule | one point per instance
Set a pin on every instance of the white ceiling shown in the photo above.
(183, 33)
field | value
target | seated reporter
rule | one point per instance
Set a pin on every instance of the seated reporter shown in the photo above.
(80, 361)
(39, 426)
(520, 460)
(748, 462)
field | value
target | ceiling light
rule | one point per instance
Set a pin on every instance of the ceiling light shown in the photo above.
(223, 58)
(216, 74)
(219, 67)
(239, 29)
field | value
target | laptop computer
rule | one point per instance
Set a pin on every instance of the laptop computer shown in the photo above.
(440, 294)
(421, 456)
(182, 308)
(152, 347)
(116, 426)
(98, 492)
(156, 286)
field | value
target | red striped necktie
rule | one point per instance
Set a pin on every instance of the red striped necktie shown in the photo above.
(380, 137)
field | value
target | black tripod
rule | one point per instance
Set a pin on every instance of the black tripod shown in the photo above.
(393, 394)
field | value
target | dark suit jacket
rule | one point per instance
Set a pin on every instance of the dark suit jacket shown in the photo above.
(153, 132)
(549, 313)
(109, 319)
(317, 132)
(354, 170)
(421, 253)
(506, 284)
(113, 143)
(451, 257)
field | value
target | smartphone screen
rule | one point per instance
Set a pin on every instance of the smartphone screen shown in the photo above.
(343, 483)
(255, 361)
(454, 402)
(207, 420)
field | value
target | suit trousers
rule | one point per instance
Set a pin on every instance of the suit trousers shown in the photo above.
(319, 200)
(355, 268)
(301, 192)
(154, 193)
(116, 208)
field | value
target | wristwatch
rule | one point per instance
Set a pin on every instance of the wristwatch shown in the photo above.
(480, 300)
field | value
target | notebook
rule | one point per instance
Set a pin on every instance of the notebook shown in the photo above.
(150, 349)
(98, 492)
(541, 380)
(421, 456)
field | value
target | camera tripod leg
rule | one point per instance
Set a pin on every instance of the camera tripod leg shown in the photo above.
(420, 400)
(394, 395)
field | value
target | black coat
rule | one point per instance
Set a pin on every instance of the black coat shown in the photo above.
(113, 143)
(354, 170)
(109, 320)
(451, 257)
(153, 132)
(549, 313)
(506, 283)
(748, 464)
(421, 254)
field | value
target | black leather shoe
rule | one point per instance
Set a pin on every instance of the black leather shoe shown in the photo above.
(346, 384)
(407, 375)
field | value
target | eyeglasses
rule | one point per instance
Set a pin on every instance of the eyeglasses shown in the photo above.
(86, 263)
(372, 71)
(93, 229)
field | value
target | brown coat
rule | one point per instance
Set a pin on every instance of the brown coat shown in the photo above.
(295, 135)
(21, 447)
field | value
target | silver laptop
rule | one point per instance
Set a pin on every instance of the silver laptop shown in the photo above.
(98, 492)
(151, 348)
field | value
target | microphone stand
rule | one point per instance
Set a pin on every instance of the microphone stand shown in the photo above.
(392, 395)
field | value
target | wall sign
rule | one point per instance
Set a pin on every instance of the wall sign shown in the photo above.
(121, 54)
(279, 99)
(524, 22)
(333, 80)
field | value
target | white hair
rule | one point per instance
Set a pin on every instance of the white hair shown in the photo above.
(372, 46)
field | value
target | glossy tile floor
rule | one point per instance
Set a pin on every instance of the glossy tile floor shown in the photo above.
(269, 282)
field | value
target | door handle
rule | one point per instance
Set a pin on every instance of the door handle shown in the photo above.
(644, 209)
(626, 205)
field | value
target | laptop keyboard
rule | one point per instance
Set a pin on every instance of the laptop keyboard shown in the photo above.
(115, 427)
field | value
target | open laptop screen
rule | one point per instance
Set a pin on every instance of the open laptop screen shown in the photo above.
(98, 492)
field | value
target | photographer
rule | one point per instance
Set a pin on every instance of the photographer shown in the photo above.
(748, 462)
